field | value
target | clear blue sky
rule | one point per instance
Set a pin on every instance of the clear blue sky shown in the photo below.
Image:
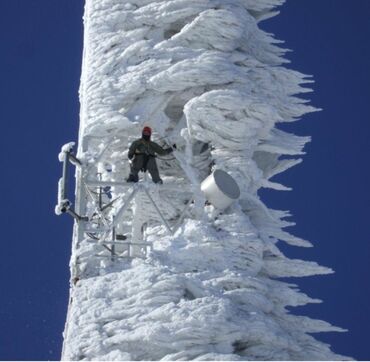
(41, 47)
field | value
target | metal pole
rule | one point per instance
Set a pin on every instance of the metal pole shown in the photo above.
(182, 215)
(113, 246)
(124, 207)
(100, 193)
(159, 212)
(110, 204)
(73, 159)
(64, 177)
(76, 216)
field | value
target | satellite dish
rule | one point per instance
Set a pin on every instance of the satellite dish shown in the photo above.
(220, 189)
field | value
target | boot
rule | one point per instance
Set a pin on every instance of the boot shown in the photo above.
(132, 178)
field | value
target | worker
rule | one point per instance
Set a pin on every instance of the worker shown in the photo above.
(143, 152)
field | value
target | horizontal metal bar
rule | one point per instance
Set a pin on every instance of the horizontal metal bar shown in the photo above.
(121, 257)
(168, 186)
(127, 243)
(96, 183)
(92, 231)
(107, 242)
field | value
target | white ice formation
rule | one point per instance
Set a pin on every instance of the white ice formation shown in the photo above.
(203, 75)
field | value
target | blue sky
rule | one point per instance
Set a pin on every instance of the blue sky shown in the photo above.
(41, 47)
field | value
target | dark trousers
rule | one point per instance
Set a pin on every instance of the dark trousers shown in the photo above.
(144, 162)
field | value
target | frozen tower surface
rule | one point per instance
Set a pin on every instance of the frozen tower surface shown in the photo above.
(159, 272)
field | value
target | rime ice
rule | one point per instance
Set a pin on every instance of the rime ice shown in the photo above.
(202, 75)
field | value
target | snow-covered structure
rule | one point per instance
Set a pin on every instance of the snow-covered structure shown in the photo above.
(190, 281)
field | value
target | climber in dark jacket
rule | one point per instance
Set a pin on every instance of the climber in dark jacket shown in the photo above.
(143, 152)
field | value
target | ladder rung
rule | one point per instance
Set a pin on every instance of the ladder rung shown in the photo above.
(113, 242)
(120, 257)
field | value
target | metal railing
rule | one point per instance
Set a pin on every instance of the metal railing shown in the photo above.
(105, 233)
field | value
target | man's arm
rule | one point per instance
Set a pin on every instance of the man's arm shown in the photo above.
(160, 150)
(132, 149)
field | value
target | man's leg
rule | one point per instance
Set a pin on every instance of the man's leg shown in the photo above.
(136, 166)
(153, 170)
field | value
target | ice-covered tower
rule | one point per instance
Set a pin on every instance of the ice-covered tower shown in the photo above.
(161, 271)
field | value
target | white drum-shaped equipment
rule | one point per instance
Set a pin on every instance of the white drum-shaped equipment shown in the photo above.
(220, 189)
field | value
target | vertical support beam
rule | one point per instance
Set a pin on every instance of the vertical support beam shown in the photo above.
(100, 193)
(129, 250)
(113, 246)
(64, 178)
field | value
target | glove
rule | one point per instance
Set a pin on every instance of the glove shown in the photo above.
(130, 156)
(174, 146)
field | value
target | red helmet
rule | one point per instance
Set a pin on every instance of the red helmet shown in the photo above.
(147, 131)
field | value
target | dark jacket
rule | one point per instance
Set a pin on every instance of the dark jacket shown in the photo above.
(149, 148)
